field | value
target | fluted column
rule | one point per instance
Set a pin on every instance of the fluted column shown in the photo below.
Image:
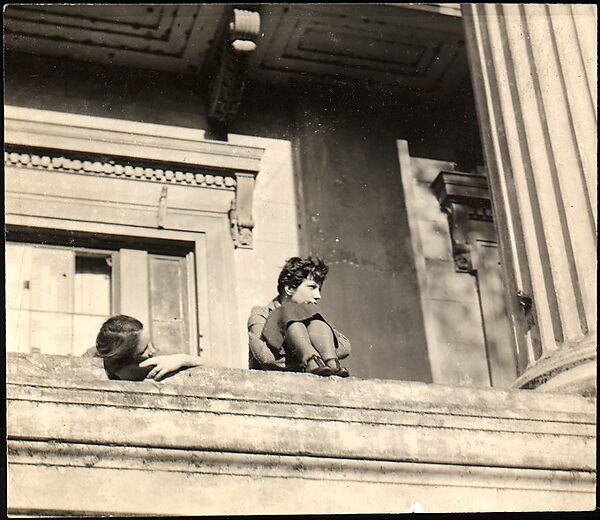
(534, 76)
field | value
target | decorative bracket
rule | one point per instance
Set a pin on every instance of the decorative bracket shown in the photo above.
(464, 197)
(458, 218)
(162, 208)
(226, 65)
(240, 214)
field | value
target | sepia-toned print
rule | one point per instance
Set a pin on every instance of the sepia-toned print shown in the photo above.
(300, 258)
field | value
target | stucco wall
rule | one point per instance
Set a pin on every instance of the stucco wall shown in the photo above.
(329, 184)
(356, 216)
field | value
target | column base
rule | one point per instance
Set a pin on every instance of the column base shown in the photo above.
(569, 369)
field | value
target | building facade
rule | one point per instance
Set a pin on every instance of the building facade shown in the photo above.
(164, 161)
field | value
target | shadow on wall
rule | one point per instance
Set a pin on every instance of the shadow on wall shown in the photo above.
(103, 90)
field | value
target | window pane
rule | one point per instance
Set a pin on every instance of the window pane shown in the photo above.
(50, 332)
(92, 286)
(17, 330)
(39, 293)
(92, 300)
(85, 330)
(56, 301)
(18, 277)
(52, 279)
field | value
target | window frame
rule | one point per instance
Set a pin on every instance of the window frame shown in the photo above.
(74, 253)
(50, 239)
(60, 174)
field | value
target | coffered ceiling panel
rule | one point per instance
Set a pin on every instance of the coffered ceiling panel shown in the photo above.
(394, 45)
(382, 44)
(164, 37)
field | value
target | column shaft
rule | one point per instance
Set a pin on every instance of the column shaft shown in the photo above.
(534, 76)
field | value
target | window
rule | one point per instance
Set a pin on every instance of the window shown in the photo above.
(58, 296)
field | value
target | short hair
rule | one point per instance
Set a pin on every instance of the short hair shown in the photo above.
(296, 270)
(118, 337)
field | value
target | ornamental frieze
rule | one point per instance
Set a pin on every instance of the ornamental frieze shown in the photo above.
(112, 168)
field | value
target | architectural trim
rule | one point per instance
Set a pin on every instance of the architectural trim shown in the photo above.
(226, 65)
(570, 369)
(440, 8)
(463, 197)
(66, 143)
(532, 68)
(240, 214)
(48, 161)
(34, 128)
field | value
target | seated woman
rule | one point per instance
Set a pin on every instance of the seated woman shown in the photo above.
(291, 333)
(128, 353)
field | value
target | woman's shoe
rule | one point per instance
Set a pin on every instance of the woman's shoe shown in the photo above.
(337, 369)
(321, 369)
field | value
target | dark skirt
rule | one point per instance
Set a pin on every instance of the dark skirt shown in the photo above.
(279, 320)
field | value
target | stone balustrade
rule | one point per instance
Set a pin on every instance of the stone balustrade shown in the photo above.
(230, 441)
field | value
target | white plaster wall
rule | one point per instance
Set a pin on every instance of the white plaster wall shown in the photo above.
(275, 231)
(450, 302)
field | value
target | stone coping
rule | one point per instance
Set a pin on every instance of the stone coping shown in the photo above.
(281, 387)
(237, 430)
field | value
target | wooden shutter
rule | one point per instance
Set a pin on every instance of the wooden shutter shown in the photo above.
(169, 306)
(132, 282)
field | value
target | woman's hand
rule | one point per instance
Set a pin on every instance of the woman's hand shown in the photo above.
(165, 365)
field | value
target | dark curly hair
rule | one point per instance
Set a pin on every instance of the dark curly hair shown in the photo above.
(118, 337)
(297, 269)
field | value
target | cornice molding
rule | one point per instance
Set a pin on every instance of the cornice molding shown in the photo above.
(102, 147)
(468, 189)
(119, 138)
(55, 162)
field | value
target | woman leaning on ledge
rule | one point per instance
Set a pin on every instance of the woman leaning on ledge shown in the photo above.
(126, 348)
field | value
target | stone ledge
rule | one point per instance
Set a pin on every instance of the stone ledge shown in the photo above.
(231, 433)
(108, 478)
(306, 389)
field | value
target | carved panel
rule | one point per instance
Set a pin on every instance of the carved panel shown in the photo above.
(464, 197)
(241, 212)
(168, 37)
(226, 65)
